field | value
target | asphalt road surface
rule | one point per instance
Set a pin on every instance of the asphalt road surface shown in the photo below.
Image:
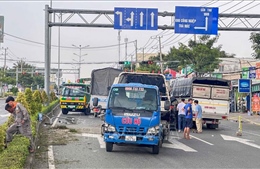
(3, 113)
(219, 148)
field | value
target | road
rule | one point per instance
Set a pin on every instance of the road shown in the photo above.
(219, 148)
(3, 113)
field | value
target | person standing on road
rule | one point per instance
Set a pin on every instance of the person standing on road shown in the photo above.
(181, 115)
(198, 113)
(22, 119)
(188, 119)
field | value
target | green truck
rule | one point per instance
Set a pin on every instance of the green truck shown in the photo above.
(75, 97)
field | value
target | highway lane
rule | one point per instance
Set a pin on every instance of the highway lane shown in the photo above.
(219, 148)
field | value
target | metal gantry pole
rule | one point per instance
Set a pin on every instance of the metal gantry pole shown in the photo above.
(59, 74)
(47, 52)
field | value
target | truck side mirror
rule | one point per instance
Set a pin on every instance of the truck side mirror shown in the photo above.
(108, 88)
(95, 101)
(167, 105)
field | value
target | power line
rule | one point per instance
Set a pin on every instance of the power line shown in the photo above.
(243, 6)
(68, 47)
(232, 6)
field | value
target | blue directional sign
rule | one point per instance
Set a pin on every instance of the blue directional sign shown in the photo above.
(196, 20)
(244, 85)
(136, 18)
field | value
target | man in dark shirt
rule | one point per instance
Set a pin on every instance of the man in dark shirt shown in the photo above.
(188, 119)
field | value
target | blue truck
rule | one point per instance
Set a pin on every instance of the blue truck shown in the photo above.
(133, 116)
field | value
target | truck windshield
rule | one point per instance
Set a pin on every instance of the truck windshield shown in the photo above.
(134, 98)
(74, 91)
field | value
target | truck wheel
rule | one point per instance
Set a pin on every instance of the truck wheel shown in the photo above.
(95, 114)
(64, 111)
(155, 149)
(109, 147)
(102, 129)
(160, 143)
(87, 111)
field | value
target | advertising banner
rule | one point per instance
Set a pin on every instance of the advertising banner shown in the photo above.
(244, 85)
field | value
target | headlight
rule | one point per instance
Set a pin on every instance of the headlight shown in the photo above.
(109, 128)
(153, 130)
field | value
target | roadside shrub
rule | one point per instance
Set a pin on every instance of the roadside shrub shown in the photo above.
(21, 99)
(29, 100)
(44, 97)
(37, 99)
(16, 153)
(52, 97)
(6, 94)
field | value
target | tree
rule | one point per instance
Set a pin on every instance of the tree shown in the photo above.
(29, 100)
(27, 78)
(201, 55)
(37, 100)
(53, 97)
(21, 99)
(255, 39)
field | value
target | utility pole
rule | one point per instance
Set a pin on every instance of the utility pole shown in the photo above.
(16, 79)
(79, 63)
(119, 39)
(160, 51)
(135, 53)
(22, 65)
(143, 52)
(5, 59)
(126, 40)
(160, 47)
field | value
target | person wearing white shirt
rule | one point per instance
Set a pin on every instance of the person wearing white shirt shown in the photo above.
(181, 115)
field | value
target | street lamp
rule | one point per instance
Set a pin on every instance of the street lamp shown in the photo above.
(59, 73)
(80, 48)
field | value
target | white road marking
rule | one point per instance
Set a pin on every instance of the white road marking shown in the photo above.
(240, 140)
(51, 158)
(55, 121)
(174, 143)
(4, 115)
(202, 140)
(178, 145)
(251, 133)
(98, 136)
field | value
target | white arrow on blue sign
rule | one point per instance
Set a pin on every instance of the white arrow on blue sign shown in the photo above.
(196, 20)
(136, 18)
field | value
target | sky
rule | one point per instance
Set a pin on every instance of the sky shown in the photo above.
(24, 32)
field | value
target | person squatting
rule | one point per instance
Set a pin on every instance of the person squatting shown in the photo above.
(22, 123)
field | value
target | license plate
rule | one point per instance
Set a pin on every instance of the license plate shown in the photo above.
(130, 138)
(71, 106)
